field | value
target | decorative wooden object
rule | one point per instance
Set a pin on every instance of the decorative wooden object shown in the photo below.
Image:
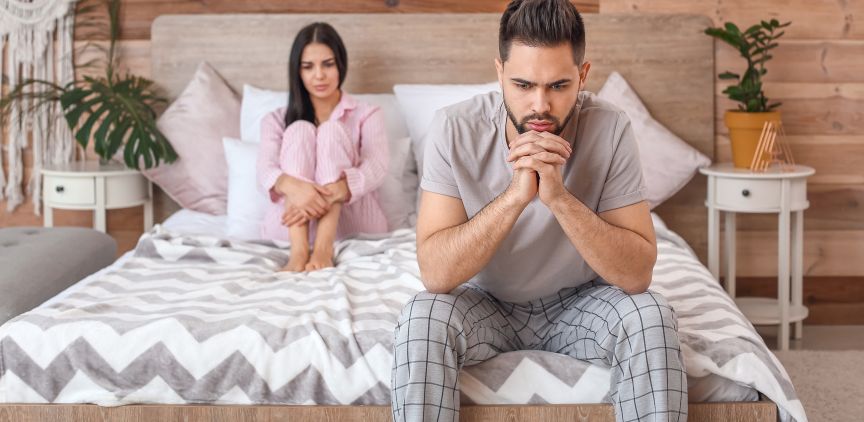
(772, 149)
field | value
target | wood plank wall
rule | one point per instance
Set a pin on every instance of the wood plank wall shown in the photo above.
(816, 72)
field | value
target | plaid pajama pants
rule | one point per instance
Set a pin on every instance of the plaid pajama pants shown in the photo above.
(635, 335)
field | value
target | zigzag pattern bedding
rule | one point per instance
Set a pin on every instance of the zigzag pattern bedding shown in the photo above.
(198, 319)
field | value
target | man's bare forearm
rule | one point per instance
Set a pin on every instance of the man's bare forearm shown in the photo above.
(622, 257)
(452, 256)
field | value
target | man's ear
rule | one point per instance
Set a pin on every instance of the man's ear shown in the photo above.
(499, 69)
(583, 74)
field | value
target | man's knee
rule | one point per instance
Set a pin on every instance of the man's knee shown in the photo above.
(425, 305)
(646, 311)
(429, 315)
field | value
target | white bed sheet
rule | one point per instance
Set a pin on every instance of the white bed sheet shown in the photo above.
(193, 222)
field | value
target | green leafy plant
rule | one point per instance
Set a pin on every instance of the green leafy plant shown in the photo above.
(114, 110)
(755, 45)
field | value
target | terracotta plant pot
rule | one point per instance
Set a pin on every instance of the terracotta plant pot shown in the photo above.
(744, 131)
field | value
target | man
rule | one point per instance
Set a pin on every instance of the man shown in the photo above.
(533, 234)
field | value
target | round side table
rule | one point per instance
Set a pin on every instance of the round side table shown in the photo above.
(92, 186)
(778, 191)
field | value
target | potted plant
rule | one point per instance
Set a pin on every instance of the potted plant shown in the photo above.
(745, 124)
(114, 110)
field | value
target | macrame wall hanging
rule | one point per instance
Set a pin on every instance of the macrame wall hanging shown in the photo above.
(35, 42)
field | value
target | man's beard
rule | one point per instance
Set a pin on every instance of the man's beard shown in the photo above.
(557, 126)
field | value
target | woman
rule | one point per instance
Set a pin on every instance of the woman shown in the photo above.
(322, 157)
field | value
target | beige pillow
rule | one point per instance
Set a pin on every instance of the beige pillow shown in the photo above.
(668, 162)
(195, 123)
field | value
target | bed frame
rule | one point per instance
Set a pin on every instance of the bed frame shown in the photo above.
(761, 411)
(665, 58)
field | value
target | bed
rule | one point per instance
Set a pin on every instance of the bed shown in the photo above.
(192, 325)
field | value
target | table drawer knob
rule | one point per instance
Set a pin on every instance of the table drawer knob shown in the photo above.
(745, 193)
(59, 189)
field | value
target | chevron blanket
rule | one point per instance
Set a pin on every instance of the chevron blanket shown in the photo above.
(199, 319)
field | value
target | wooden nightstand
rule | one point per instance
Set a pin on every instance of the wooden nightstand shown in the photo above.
(733, 190)
(98, 187)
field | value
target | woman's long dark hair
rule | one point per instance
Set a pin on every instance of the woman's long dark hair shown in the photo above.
(299, 103)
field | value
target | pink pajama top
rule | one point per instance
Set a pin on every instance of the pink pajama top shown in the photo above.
(364, 126)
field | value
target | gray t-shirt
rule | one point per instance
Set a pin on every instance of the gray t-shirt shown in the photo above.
(466, 157)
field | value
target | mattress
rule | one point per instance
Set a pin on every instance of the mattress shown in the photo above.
(193, 317)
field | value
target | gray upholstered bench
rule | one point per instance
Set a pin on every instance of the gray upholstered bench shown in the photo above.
(37, 263)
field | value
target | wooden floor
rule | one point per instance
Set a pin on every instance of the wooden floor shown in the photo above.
(819, 337)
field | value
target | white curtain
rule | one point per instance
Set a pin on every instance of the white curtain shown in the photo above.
(36, 36)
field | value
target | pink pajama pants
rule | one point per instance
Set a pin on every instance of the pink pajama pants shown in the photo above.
(320, 155)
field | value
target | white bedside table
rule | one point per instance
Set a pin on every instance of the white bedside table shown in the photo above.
(733, 190)
(98, 187)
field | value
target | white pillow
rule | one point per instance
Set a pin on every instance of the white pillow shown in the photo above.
(246, 203)
(420, 102)
(668, 162)
(256, 104)
(395, 124)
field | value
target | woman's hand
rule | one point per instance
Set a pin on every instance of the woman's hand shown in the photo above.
(308, 198)
(339, 191)
(293, 217)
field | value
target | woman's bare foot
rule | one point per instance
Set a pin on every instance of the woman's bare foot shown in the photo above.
(322, 251)
(299, 235)
(297, 262)
(322, 257)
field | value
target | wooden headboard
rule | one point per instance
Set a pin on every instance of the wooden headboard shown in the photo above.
(665, 58)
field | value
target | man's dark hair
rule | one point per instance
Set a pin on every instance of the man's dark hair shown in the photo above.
(541, 23)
